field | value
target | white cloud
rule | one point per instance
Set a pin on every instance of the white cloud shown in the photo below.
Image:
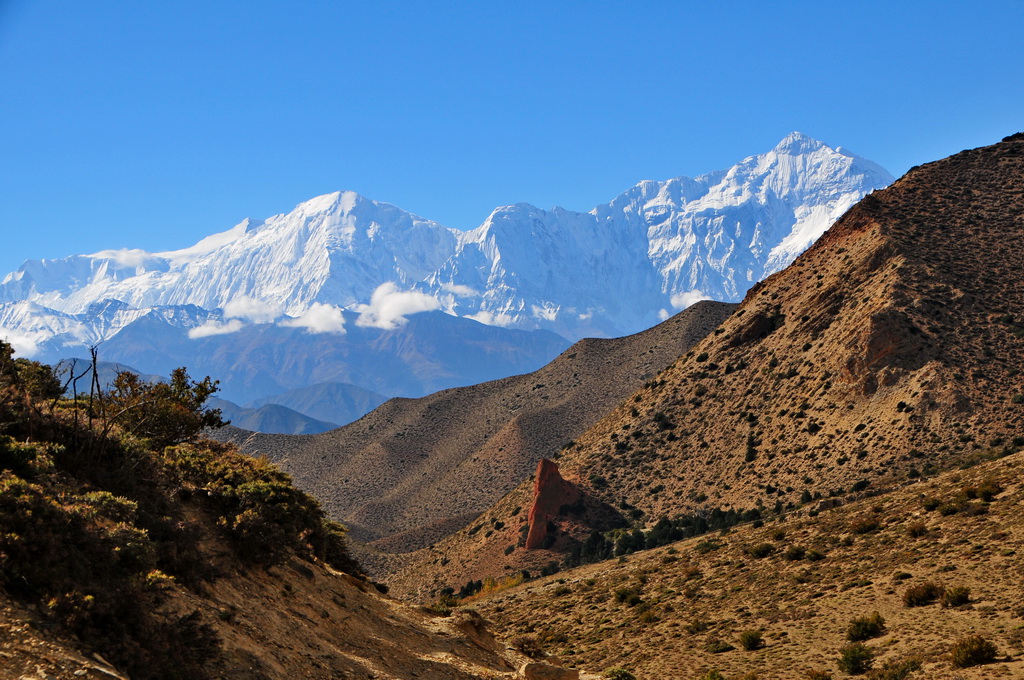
(126, 257)
(545, 313)
(215, 328)
(687, 298)
(490, 319)
(251, 309)
(663, 314)
(459, 290)
(319, 318)
(25, 345)
(389, 306)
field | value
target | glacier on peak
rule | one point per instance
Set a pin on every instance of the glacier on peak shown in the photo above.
(619, 268)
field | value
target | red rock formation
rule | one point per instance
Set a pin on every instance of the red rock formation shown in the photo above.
(550, 494)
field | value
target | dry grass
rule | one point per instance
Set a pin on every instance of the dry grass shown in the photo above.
(688, 604)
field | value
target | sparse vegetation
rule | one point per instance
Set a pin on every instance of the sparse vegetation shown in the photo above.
(855, 658)
(973, 650)
(103, 512)
(922, 594)
(956, 596)
(865, 627)
(751, 640)
(528, 645)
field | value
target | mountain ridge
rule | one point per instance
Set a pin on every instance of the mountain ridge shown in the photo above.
(886, 352)
(413, 470)
(659, 244)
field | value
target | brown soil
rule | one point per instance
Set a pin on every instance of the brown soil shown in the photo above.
(299, 620)
(892, 348)
(405, 470)
(690, 596)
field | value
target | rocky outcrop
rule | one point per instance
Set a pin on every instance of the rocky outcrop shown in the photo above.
(550, 494)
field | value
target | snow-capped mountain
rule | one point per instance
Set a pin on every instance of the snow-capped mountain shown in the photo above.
(653, 250)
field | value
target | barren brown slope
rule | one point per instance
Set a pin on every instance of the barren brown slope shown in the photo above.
(415, 470)
(800, 582)
(890, 349)
(160, 555)
(299, 620)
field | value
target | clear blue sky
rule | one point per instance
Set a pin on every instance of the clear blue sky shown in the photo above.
(152, 124)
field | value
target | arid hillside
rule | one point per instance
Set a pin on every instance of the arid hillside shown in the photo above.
(415, 470)
(890, 350)
(938, 560)
(133, 548)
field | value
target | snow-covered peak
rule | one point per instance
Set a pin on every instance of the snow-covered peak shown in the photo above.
(797, 143)
(655, 248)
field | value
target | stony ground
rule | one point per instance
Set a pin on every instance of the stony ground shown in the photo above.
(293, 621)
(668, 613)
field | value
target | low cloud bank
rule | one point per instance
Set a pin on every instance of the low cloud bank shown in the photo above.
(390, 306)
(319, 318)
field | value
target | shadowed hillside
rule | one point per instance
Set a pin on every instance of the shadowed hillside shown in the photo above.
(414, 470)
(132, 547)
(888, 351)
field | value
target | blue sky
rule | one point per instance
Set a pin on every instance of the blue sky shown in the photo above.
(153, 124)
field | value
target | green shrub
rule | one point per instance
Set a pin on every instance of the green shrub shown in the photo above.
(165, 413)
(865, 627)
(706, 546)
(973, 650)
(794, 553)
(864, 525)
(761, 550)
(712, 675)
(751, 640)
(895, 670)
(618, 674)
(38, 380)
(922, 594)
(628, 595)
(696, 626)
(956, 596)
(21, 459)
(259, 508)
(917, 529)
(855, 658)
(717, 645)
(442, 606)
(528, 645)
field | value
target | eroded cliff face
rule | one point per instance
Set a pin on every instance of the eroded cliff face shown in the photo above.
(550, 494)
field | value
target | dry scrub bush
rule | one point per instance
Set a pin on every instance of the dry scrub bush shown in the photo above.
(865, 627)
(973, 650)
(922, 594)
